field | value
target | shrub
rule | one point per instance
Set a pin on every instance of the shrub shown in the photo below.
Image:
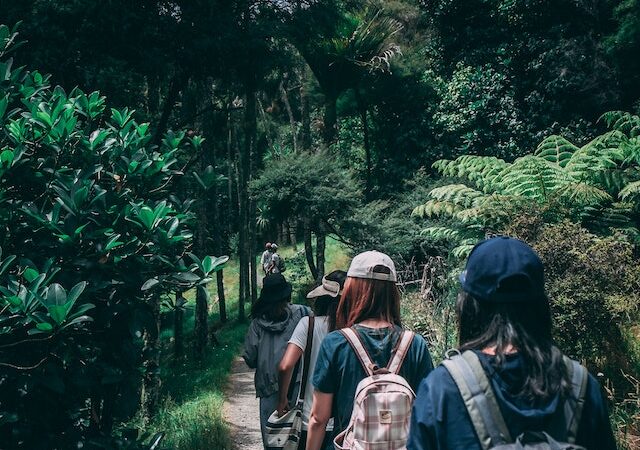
(91, 240)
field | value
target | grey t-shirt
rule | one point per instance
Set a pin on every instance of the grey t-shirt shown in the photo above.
(299, 339)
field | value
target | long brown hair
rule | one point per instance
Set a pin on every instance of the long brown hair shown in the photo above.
(368, 299)
(527, 327)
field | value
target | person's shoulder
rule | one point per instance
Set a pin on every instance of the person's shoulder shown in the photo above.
(302, 310)
(334, 338)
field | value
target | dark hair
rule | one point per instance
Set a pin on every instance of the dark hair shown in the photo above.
(365, 298)
(270, 310)
(523, 326)
(326, 305)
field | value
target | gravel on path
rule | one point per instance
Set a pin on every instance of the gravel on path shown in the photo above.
(241, 408)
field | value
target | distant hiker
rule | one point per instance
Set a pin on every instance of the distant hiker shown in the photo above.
(274, 319)
(370, 311)
(277, 263)
(265, 259)
(507, 380)
(325, 300)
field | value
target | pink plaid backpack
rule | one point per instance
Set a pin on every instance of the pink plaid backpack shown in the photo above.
(383, 400)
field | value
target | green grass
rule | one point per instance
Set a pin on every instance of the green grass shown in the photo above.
(191, 415)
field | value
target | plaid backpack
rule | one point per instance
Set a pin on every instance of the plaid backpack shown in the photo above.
(383, 400)
(479, 399)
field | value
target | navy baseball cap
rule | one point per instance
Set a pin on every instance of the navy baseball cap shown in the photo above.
(503, 270)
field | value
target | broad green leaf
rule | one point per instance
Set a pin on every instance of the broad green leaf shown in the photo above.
(147, 217)
(56, 295)
(30, 274)
(150, 283)
(58, 313)
(44, 326)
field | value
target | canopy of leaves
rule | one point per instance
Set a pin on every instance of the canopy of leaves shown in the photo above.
(313, 186)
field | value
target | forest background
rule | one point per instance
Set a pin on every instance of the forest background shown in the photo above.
(140, 138)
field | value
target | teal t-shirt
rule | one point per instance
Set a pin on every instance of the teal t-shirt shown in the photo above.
(338, 370)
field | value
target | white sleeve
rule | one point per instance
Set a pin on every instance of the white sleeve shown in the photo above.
(299, 336)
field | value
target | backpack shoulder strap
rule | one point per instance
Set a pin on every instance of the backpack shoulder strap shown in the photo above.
(573, 406)
(307, 359)
(400, 352)
(478, 396)
(356, 343)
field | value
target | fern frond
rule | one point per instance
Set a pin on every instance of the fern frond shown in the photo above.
(532, 176)
(556, 149)
(630, 191)
(441, 233)
(436, 208)
(458, 194)
(481, 170)
(622, 121)
(584, 194)
(462, 251)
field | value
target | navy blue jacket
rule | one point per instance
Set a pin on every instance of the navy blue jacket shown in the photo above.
(440, 420)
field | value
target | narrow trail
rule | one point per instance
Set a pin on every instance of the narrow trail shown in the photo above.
(241, 408)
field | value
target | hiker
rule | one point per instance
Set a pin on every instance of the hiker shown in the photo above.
(276, 264)
(265, 259)
(369, 315)
(325, 300)
(523, 384)
(274, 319)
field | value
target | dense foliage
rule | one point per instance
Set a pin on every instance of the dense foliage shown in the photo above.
(91, 240)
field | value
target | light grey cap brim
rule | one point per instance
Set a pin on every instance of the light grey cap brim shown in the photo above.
(320, 291)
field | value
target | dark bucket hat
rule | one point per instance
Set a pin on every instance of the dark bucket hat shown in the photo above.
(275, 288)
(504, 270)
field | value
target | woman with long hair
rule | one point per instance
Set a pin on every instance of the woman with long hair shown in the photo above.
(370, 306)
(274, 319)
(524, 386)
(325, 300)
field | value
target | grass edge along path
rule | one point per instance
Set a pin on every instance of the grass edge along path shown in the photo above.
(191, 415)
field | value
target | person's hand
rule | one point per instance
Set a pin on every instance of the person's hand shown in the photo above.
(282, 408)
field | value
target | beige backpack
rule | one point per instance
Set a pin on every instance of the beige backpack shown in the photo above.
(383, 401)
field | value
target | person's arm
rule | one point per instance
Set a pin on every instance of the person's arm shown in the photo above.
(320, 415)
(251, 342)
(285, 371)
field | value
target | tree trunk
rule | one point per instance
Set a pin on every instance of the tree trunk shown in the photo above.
(367, 144)
(201, 327)
(305, 114)
(172, 96)
(291, 228)
(308, 250)
(151, 363)
(242, 237)
(222, 301)
(321, 243)
(253, 270)
(292, 120)
(330, 120)
(178, 327)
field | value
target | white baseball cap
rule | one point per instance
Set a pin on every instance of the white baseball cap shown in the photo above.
(328, 287)
(362, 266)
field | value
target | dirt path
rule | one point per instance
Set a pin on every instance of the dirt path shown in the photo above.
(241, 408)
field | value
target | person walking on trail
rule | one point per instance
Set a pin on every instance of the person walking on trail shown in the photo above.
(369, 315)
(274, 319)
(325, 300)
(276, 264)
(265, 259)
(507, 380)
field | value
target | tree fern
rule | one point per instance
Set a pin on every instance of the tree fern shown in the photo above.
(556, 149)
(597, 184)
(481, 170)
(622, 121)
